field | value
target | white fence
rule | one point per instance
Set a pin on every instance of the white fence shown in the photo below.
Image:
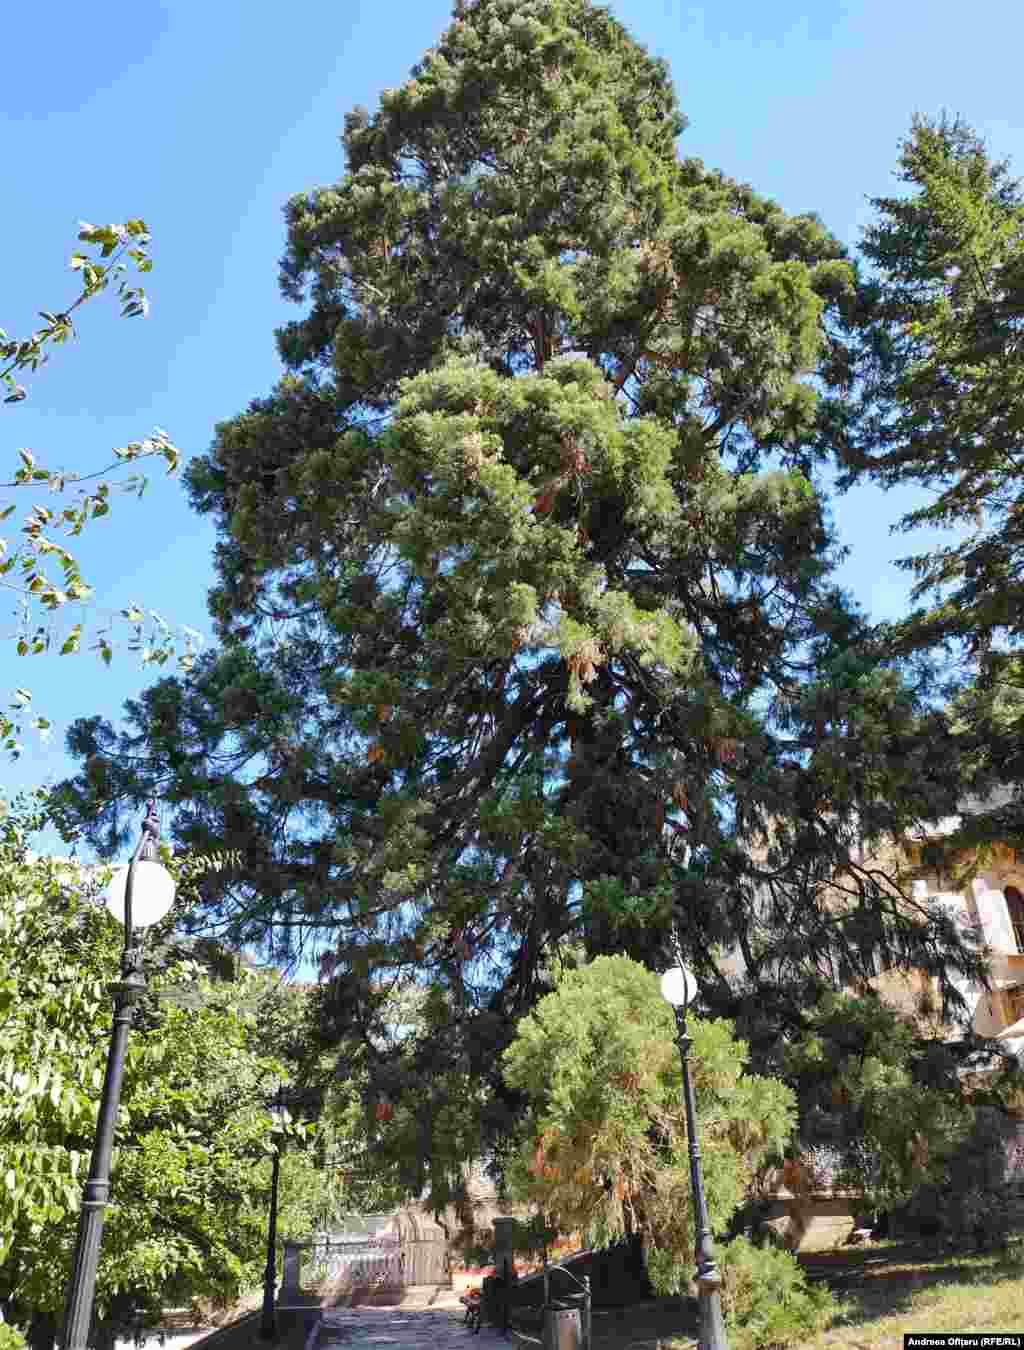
(381, 1260)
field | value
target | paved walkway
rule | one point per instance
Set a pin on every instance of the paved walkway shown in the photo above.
(426, 1319)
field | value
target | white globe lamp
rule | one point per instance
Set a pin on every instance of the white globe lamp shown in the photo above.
(678, 987)
(152, 894)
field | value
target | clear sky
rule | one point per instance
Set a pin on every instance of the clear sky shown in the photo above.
(204, 118)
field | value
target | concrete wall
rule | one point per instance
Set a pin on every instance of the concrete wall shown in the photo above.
(813, 1223)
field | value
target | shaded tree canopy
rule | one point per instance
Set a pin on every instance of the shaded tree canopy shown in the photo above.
(528, 632)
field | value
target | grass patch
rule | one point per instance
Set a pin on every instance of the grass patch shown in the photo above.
(892, 1290)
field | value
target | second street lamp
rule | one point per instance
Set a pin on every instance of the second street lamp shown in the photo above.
(268, 1321)
(138, 896)
(678, 988)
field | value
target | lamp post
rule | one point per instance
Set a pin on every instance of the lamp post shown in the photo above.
(268, 1320)
(139, 895)
(678, 988)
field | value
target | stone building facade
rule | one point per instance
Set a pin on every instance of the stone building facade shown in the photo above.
(989, 905)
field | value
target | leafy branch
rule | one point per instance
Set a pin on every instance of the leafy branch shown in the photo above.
(120, 246)
(116, 242)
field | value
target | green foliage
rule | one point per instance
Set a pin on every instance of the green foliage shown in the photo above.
(882, 1089)
(942, 379)
(603, 1148)
(191, 1152)
(116, 242)
(883, 1111)
(365, 1155)
(11, 1338)
(529, 634)
(391, 1085)
(120, 246)
(974, 1200)
(945, 370)
(767, 1300)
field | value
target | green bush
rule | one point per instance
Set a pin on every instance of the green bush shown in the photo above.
(975, 1207)
(979, 1217)
(767, 1302)
(605, 1135)
(11, 1338)
(971, 1205)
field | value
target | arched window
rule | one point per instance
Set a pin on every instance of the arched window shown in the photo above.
(1015, 909)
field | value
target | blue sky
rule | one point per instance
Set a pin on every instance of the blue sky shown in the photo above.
(205, 118)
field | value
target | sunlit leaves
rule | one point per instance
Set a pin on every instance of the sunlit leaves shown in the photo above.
(190, 1169)
(120, 247)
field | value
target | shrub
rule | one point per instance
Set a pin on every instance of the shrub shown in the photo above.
(605, 1137)
(11, 1338)
(975, 1206)
(767, 1302)
(982, 1217)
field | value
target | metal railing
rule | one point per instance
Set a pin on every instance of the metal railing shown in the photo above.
(375, 1260)
(501, 1307)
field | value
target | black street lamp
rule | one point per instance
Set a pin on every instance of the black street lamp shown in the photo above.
(268, 1321)
(139, 895)
(678, 988)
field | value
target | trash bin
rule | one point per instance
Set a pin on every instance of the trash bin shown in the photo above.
(563, 1325)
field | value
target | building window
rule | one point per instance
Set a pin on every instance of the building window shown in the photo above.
(1015, 909)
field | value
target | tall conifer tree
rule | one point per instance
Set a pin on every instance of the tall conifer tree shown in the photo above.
(527, 629)
(943, 409)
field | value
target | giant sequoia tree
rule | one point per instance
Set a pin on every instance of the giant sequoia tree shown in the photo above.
(524, 602)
